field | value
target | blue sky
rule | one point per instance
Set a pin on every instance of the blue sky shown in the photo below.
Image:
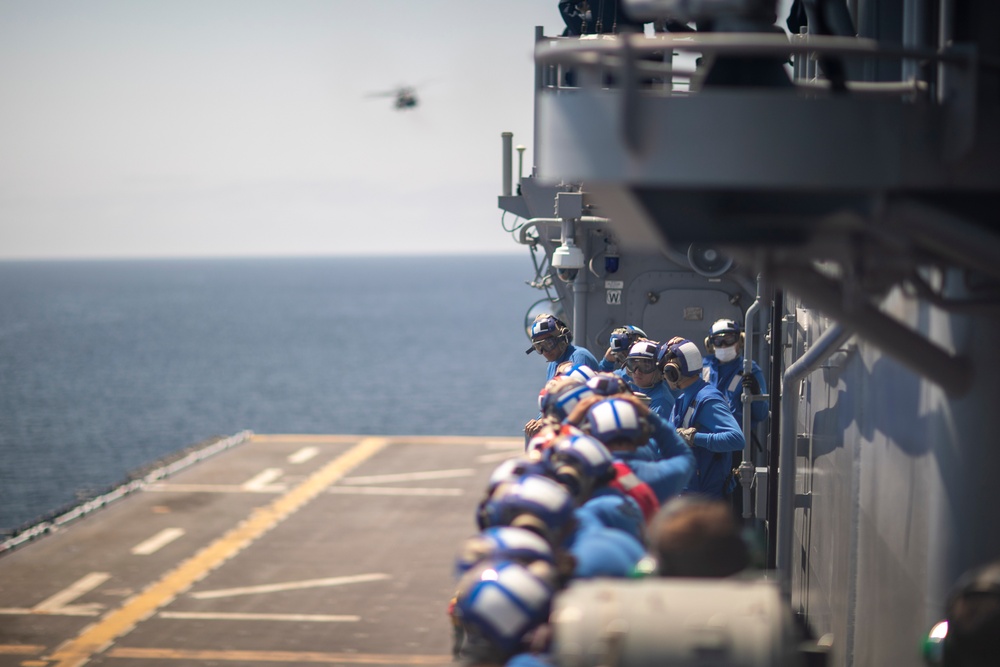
(222, 127)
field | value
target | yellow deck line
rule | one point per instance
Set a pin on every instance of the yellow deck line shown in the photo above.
(99, 636)
(289, 657)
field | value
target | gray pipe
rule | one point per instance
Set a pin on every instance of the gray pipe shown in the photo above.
(953, 373)
(747, 466)
(824, 346)
(508, 164)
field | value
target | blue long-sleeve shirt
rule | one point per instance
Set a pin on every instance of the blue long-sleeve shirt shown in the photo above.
(728, 379)
(668, 474)
(703, 407)
(660, 398)
(603, 552)
(580, 356)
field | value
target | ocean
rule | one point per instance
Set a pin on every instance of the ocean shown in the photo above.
(109, 366)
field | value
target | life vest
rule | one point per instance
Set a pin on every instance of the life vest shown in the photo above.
(626, 482)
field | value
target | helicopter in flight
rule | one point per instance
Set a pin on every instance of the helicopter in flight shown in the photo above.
(405, 97)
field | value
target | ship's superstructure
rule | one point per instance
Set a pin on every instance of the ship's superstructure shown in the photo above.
(854, 171)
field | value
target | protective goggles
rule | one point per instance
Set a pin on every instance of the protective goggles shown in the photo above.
(545, 345)
(725, 339)
(640, 365)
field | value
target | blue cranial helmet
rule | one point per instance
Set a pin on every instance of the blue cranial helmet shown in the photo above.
(579, 372)
(607, 384)
(616, 419)
(723, 327)
(503, 542)
(533, 502)
(561, 395)
(644, 350)
(501, 601)
(623, 338)
(685, 355)
(546, 326)
(580, 463)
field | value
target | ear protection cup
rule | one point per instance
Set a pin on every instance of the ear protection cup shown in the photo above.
(672, 373)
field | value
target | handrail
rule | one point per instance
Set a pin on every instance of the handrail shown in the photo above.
(576, 51)
(824, 346)
(746, 465)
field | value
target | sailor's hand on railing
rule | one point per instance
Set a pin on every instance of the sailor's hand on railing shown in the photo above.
(750, 384)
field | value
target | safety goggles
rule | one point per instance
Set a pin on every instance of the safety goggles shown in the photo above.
(545, 345)
(640, 366)
(725, 340)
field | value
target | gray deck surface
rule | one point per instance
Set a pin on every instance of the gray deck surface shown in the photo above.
(290, 549)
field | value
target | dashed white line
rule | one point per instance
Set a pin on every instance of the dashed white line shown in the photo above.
(393, 491)
(303, 455)
(411, 476)
(157, 542)
(223, 616)
(289, 586)
(263, 479)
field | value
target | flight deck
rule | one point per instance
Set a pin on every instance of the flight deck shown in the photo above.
(294, 549)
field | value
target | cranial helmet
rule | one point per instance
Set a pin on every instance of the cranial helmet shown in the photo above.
(534, 502)
(724, 326)
(579, 372)
(616, 419)
(546, 326)
(503, 542)
(727, 331)
(682, 359)
(512, 470)
(607, 384)
(580, 463)
(644, 350)
(624, 337)
(501, 601)
(561, 395)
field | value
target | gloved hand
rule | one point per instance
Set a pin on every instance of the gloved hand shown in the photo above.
(750, 384)
(688, 435)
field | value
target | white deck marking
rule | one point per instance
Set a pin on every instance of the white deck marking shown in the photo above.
(303, 455)
(188, 656)
(223, 616)
(500, 456)
(157, 542)
(410, 476)
(263, 479)
(289, 586)
(393, 491)
(59, 603)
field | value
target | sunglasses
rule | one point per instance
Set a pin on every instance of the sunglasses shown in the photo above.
(725, 340)
(546, 345)
(640, 366)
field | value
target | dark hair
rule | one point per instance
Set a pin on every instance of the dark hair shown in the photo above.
(697, 537)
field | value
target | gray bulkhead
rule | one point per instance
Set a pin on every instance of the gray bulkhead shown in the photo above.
(871, 208)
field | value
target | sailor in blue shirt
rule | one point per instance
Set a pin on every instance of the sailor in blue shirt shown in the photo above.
(644, 376)
(702, 416)
(619, 343)
(551, 338)
(544, 506)
(625, 425)
(723, 368)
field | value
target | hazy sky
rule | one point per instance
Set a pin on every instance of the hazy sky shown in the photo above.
(242, 127)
